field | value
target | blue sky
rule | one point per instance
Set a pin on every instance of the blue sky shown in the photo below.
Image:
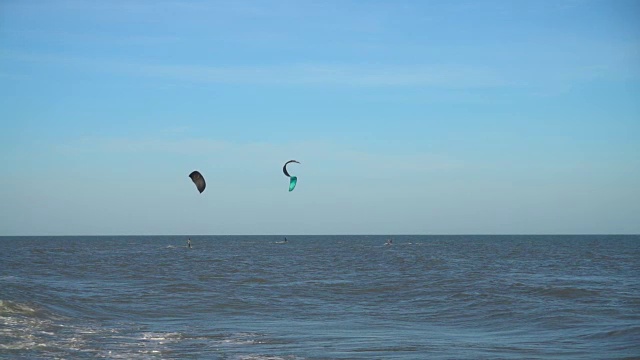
(408, 117)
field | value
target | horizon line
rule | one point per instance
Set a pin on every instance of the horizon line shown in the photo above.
(238, 235)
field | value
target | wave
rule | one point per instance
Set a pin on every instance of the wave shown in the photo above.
(29, 331)
(10, 307)
(558, 292)
(255, 280)
(631, 332)
(266, 357)
(29, 327)
(568, 292)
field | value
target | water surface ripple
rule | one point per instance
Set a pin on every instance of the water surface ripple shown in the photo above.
(320, 297)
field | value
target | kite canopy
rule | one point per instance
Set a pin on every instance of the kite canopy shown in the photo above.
(293, 180)
(198, 179)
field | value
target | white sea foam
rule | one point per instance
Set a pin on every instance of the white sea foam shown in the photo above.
(10, 307)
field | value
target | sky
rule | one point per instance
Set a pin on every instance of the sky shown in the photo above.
(407, 117)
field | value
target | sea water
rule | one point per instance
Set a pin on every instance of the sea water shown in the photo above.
(320, 297)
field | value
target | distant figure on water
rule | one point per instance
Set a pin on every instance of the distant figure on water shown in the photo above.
(285, 239)
(389, 242)
(189, 243)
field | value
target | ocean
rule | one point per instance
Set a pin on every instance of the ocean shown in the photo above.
(320, 297)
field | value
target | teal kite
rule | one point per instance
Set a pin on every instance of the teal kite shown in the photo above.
(293, 180)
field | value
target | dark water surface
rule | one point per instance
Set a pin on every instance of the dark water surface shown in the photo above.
(320, 297)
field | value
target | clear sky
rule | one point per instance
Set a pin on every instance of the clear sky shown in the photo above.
(408, 117)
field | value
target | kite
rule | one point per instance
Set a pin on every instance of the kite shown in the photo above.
(198, 179)
(293, 179)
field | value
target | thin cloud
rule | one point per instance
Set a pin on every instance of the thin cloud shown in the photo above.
(437, 76)
(320, 156)
(144, 145)
(618, 65)
(339, 75)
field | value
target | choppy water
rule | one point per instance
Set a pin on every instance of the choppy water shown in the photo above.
(320, 297)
